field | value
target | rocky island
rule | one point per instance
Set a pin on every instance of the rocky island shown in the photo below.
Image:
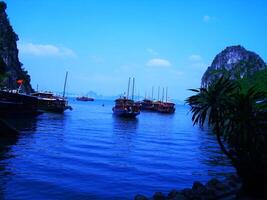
(235, 61)
(11, 69)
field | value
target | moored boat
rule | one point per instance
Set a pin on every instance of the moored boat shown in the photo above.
(125, 107)
(84, 98)
(147, 104)
(166, 107)
(48, 102)
(14, 103)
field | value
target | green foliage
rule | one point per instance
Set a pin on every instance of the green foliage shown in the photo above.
(239, 117)
(259, 79)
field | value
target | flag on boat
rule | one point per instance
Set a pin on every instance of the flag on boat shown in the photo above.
(20, 81)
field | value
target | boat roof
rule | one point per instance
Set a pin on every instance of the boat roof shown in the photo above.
(124, 100)
(42, 93)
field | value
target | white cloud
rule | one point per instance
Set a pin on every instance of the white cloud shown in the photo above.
(158, 62)
(152, 51)
(45, 50)
(195, 58)
(206, 18)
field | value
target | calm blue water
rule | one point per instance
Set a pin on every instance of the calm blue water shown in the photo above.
(88, 153)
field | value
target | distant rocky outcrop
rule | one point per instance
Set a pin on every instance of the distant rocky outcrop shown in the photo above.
(234, 61)
(11, 69)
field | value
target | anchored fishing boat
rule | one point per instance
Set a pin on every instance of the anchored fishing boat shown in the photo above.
(165, 107)
(125, 107)
(49, 102)
(14, 103)
(84, 98)
(147, 104)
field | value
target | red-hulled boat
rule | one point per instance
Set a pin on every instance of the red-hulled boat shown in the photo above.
(166, 107)
(147, 104)
(125, 107)
(84, 98)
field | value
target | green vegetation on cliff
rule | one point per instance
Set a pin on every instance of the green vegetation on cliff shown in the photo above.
(259, 80)
(10, 67)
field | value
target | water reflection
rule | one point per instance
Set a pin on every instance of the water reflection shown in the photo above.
(124, 125)
(23, 123)
(7, 139)
(124, 132)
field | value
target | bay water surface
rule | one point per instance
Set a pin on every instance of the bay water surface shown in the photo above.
(88, 153)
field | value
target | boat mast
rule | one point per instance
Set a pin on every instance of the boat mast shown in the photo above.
(133, 89)
(158, 93)
(166, 94)
(152, 93)
(129, 83)
(65, 83)
(162, 95)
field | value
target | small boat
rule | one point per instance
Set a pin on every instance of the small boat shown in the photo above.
(125, 107)
(83, 98)
(48, 102)
(14, 103)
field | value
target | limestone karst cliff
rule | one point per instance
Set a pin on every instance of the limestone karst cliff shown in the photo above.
(235, 61)
(11, 68)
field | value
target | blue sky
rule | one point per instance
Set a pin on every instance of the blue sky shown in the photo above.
(159, 42)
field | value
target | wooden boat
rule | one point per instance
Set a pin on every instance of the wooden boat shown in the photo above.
(147, 104)
(166, 107)
(125, 107)
(48, 102)
(156, 105)
(83, 98)
(15, 103)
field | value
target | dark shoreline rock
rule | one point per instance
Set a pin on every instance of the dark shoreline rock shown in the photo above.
(214, 189)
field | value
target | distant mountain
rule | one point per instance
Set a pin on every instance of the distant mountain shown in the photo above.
(235, 61)
(11, 69)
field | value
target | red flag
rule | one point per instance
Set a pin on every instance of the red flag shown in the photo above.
(19, 81)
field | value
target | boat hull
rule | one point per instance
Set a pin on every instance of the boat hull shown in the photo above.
(166, 110)
(52, 106)
(17, 104)
(125, 113)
